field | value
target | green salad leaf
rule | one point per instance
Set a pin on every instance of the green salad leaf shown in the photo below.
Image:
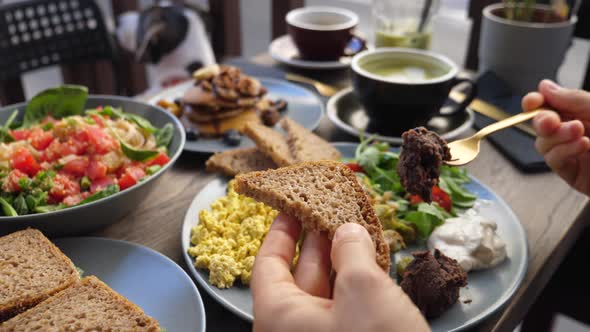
(59, 102)
(137, 154)
(5, 135)
(8, 210)
(141, 122)
(108, 191)
(50, 208)
(164, 135)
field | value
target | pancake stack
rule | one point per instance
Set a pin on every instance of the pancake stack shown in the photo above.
(223, 98)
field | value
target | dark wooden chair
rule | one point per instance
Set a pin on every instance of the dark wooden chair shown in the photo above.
(475, 13)
(40, 33)
(116, 71)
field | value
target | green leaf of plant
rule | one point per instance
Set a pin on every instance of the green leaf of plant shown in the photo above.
(5, 135)
(8, 210)
(137, 154)
(164, 135)
(142, 122)
(108, 191)
(20, 205)
(50, 208)
(58, 102)
(425, 223)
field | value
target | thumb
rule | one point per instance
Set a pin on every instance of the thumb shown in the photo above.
(352, 247)
(575, 103)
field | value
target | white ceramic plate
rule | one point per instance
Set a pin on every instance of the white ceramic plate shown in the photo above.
(147, 278)
(488, 290)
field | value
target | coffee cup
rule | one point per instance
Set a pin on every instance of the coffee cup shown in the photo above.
(324, 33)
(403, 88)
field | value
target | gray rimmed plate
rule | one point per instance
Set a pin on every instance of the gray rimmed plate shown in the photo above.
(346, 112)
(147, 278)
(85, 218)
(303, 106)
(488, 290)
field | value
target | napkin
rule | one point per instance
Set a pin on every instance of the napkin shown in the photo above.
(514, 144)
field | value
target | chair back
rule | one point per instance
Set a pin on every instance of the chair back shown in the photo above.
(40, 33)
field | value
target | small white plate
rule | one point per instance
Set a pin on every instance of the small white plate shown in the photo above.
(284, 51)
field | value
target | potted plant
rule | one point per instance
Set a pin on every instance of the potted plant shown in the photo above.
(524, 42)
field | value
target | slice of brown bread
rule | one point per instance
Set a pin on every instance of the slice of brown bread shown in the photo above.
(305, 145)
(89, 305)
(233, 162)
(270, 142)
(31, 269)
(321, 194)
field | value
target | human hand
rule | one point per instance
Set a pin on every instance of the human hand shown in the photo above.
(364, 298)
(562, 137)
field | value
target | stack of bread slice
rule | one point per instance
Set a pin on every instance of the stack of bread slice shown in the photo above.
(273, 149)
(41, 290)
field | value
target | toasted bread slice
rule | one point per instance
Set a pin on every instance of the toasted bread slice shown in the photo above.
(89, 305)
(305, 145)
(233, 162)
(270, 142)
(31, 269)
(322, 195)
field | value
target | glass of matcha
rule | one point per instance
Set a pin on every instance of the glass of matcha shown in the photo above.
(403, 23)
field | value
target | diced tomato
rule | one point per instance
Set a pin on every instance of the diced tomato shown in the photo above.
(98, 119)
(63, 187)
(442, 198)
(96, 169)
(100, 184)
(76, 166)
(438, 195)
(130, 177)
(24, 161)
(99, 141)
(11, 182)
(57, 149)
(161, 159)
(415, 200)
(40, 139)
(20, 134)
(355, 167)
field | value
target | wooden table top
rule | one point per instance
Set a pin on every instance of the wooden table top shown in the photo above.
(551, 212)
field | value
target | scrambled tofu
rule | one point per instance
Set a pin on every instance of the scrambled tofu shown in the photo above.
(228, 237)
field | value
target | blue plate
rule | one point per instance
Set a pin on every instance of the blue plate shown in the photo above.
(303, 106)
(147, 278)
(488, 290)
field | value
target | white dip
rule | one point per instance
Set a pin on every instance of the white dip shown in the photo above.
(470, 239)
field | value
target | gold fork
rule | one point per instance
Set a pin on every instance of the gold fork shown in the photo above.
(465, 150)
(323, 89)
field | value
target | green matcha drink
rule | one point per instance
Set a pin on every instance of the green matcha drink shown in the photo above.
(408, 39)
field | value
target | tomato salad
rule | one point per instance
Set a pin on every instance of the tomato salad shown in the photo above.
(62, 156)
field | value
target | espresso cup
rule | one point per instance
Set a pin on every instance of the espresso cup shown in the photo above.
(324, 33)
(404, 88)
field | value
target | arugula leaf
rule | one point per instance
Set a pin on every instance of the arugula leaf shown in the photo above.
(152, 169)
(5, 135)
(137, 154)
(108, 191)
(58, 102)
(164, 135)
(8, 210)
(35, 200)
